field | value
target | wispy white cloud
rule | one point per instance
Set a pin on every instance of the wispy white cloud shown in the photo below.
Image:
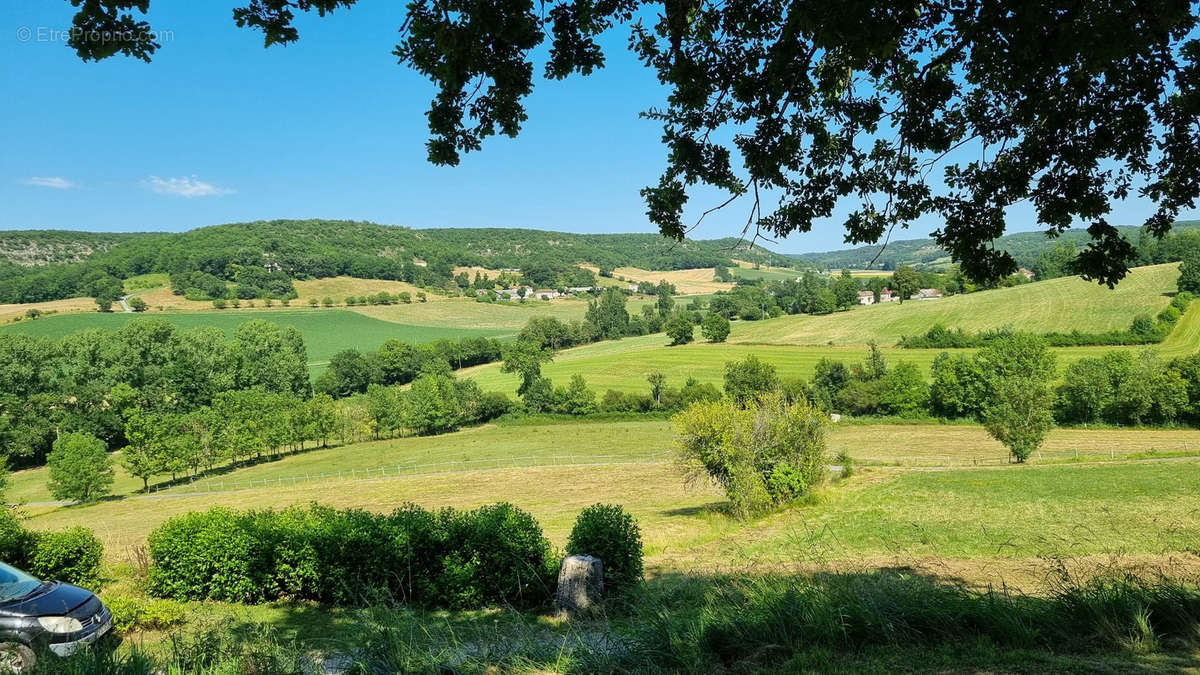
(184, 187)
(56, 182)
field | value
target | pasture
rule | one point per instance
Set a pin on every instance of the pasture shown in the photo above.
(1059, 305)
(325, 331)
(624, 364)
(554, 469)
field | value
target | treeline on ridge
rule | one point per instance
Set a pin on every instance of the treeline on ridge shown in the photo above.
(261, 258)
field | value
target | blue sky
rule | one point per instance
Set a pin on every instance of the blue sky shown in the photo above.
(218, 129)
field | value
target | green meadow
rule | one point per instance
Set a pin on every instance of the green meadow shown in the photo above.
(325, 331)
(1055, 305)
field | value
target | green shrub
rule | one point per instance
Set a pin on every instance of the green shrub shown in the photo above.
(1170, 314)
(15, 540)
(844, 460)
(135, 613)
(763, 456)
(71, 555)
(493, 555)
(612, 535)
(207, 555)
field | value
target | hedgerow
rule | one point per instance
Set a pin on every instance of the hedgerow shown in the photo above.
(461, 559)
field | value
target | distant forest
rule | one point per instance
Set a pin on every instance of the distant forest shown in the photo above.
(262, 257)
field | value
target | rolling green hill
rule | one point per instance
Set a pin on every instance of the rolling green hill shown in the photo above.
(794, 344)
(1056, 305)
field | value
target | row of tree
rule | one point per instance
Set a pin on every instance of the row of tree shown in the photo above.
(397, 362)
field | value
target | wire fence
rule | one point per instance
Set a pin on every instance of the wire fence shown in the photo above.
(204, 485)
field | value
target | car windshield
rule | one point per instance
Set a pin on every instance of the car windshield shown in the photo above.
(15, 584)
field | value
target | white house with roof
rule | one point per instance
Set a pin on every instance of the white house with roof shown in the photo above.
(926, 294)
(886, 295)
(866, 297)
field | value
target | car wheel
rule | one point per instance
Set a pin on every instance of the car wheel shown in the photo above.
(16, 658)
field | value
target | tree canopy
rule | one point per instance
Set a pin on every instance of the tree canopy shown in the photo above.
(834, 103)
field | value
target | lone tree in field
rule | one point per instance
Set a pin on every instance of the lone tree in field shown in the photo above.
(80, 468)
(714, 328)
(1017, 411)
(525, 359)
(905, 282)
(884, 112)
(680, 329)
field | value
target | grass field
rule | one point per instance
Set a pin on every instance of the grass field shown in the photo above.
(325, 331)
(1056, 305)
(624, 364)
(69, 305)
(988, 517)
(1010, 527)
(551, 466)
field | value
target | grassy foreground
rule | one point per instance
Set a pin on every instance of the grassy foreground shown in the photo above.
(888, 571)
(554, 470)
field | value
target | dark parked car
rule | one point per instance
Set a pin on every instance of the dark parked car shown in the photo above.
(37, 614)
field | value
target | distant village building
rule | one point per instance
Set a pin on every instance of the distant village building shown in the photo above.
(926, 294)
(546, 294)
(514, 293)
(580, 289)
(866, 297)
(1028, 274)
(886, 295)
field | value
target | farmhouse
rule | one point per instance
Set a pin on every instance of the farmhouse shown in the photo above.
(866, 297)
(886, 295)
(1028, 274)
(926, 294)
(546, 294)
